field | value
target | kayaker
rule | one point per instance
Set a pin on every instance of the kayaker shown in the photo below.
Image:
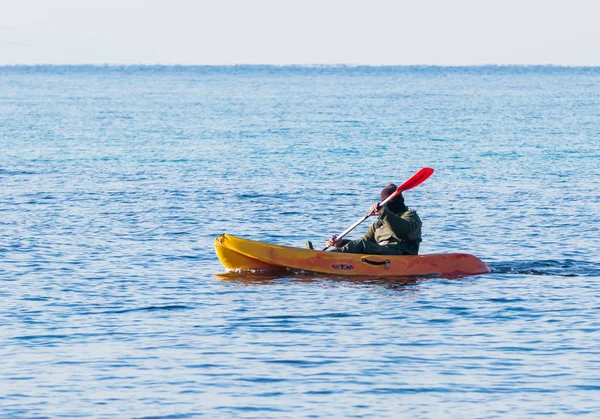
(396, 232)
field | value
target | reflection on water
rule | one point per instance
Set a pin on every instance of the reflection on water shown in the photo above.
(398, 283)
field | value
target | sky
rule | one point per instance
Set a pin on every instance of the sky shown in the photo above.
(306, 32)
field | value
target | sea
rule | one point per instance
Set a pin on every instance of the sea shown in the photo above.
(115, 181)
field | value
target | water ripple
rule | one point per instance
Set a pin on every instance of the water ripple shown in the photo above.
(116, 180)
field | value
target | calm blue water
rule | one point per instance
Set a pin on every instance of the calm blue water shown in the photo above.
(115, 181)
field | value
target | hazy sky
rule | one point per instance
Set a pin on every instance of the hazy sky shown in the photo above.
(445, 32)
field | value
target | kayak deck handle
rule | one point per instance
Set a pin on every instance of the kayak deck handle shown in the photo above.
(376, 263)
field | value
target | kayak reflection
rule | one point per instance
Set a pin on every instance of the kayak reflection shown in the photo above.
(276, 278)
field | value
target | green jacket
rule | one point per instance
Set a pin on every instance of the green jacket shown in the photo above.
(399, 230)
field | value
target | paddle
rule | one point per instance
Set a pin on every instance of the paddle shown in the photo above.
(416, 179)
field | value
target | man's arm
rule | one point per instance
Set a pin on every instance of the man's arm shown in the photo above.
(401, 227)
(370, 234)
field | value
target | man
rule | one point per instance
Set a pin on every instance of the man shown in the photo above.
(396, 232)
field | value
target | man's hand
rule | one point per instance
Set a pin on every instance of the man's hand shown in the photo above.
(376, 209)
(333, 242)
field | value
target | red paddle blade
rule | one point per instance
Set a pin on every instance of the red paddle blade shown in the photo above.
(416, 179)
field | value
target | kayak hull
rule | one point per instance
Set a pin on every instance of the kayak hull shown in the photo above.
(248, 255)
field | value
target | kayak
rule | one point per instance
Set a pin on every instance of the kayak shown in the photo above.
(249, 255)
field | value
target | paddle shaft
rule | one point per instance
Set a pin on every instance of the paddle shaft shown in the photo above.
(415, 180)
(359, 222)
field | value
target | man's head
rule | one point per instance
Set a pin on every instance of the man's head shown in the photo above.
(396, 205)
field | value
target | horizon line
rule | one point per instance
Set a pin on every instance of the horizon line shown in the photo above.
(314, 65)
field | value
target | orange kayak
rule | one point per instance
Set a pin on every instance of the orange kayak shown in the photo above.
(249, 255)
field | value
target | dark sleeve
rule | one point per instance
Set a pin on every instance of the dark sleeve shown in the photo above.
(401, 227)
(370, 234)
